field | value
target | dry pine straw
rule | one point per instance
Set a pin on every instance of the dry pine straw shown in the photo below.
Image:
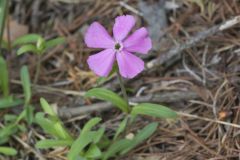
(210, 68)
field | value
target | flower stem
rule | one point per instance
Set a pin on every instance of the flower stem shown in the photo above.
(122, 87)
(4, 12)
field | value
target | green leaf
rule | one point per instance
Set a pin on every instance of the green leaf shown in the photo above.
(79, 144)
(41, 45)
(26, 84)
(46, 124)
(53, 127)
(99, 134)
(21, 116)
(85, 138)
(93, 152)
(4, 77)
(8, 130)
(63, 133)
(22, 128)
(29, 113)
(107, 95)
(4, 140)
(46, 107)
(153, 110)
(8, 118)
(116, 147)
(50, 143)
(4, 44)
(29, 38)
(91, 123)
(142, 135)
(27, 48)
(8, 151)
(54, 42)
(121, 128)
(9, 102)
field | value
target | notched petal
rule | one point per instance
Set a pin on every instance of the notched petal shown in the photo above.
(129, 64)
(102, 62)
(97, 37)
(138, 41)
(123, 25)
(143, 46)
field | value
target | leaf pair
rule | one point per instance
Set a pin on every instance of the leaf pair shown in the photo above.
(35, 43)
(149, 109)
(122, 146)
(78, 148)
(9, 101)
(51, 123)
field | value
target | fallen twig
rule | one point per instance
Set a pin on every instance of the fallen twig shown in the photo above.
(76, 111)
(156, 98)
(175, 52)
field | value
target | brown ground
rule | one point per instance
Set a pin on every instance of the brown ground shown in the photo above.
(208, 69)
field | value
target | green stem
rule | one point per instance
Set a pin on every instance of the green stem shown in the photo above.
(9, 47)
(3, 8)
(37, 69)
(122, 87)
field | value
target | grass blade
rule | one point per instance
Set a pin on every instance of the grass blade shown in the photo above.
(4, 77)
(142, 135)
(86, 137)
(26, 84)
(116, 147)
(9, 102)
(3, 15)
(51, 143)
(8, 151)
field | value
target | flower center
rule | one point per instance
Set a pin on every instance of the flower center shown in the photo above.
(118, 46)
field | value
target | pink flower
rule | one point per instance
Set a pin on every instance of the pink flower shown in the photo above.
(120, 47)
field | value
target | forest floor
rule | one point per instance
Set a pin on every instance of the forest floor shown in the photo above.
(194, 68)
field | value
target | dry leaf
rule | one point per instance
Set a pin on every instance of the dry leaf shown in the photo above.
(16, 30)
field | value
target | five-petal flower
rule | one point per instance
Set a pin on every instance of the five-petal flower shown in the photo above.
(120, 47)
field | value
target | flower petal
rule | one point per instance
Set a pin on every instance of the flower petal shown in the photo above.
(143, 46)
(139, 34)
(102, 62)
(138, 41)
(129, 64)
(122, 26)
(97, 37)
